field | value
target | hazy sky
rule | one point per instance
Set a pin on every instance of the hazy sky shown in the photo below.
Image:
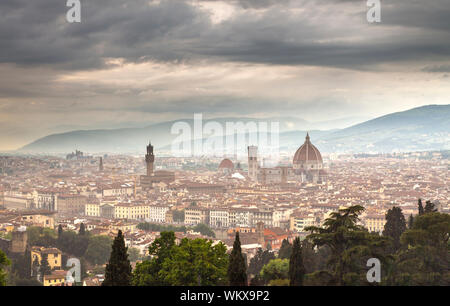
(134, 62)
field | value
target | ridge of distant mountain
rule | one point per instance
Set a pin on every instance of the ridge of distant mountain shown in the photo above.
(132, 139)
(418, 129)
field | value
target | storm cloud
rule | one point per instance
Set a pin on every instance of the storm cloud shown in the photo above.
(135, 61)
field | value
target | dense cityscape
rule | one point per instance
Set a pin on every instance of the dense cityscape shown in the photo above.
(43, 197)
(222, 151)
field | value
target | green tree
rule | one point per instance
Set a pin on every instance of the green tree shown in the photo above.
(192, 262)
(425, 259)
(4, 262)
(178, 216)
(118, 270)
(60, 230)
(285, 250)
(35, 267)
(351, 246)
(237, 274)
(196, 262)
(395, 226)
(133, 254)
(420, 207)
(296, 266)
(147, 272)
(275, 269)
(279, 282)
(258, 261)
(21, 266)
(204, 230)
(82, 229)
(314, 259)
(98, 250)
(429, 207)
(72, 243)
(145, 226)
(41, 236)
(410, 221)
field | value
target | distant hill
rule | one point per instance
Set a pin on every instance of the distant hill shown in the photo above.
(128, 140)
(419, 129)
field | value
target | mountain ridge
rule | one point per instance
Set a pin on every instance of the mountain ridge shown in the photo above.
(421, 128)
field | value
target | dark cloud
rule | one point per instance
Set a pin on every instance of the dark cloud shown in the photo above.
(36, 33)
(50, 76)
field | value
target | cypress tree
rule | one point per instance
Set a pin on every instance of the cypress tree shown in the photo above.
(82, 230)
(237, 274)
(410, 221)
(395, 226)
(296, 267)
(285, 250)
(35, 268)
(60, 231)
(421, 210)
(118, 269)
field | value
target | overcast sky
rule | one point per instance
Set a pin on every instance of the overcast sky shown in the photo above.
(134, 62)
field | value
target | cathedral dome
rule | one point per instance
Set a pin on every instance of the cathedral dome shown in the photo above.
(226, 164)
(307, 153)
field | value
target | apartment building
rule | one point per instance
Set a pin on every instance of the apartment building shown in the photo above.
(298, 222)
(131, 211)
(239, 217)
(219, 218)
(71, 204)
(157, 213)
(196, 215)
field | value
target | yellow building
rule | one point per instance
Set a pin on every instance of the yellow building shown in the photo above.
(92, 209)
(7, 227)
(131, 211)
(43, 219)
(375, 223)
(124, 227)
(57, 278)
(53, 256)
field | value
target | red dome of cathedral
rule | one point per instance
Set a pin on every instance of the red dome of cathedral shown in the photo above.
(307, 153)
(226, 164)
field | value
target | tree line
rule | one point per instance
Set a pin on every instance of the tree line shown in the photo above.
(411, 253)
(335, 254)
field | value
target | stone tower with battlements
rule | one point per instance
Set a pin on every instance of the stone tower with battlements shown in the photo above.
(149, 159)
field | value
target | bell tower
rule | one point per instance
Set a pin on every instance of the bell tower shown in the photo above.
(149, 159)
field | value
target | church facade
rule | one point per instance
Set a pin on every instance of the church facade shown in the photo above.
(307, 167)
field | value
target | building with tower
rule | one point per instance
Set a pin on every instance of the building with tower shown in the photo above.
(307, 167)
(149, 159)
(152, 176)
